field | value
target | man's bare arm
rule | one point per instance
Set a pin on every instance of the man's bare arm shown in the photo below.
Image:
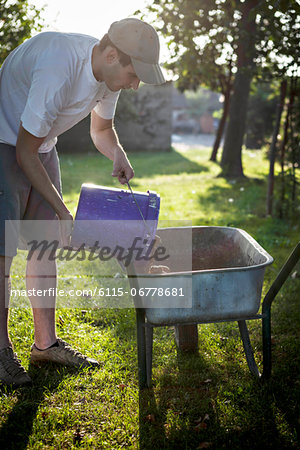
(106, 141)
(27, 157)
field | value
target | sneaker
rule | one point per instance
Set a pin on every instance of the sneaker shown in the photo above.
(64, 354)
(11, 369)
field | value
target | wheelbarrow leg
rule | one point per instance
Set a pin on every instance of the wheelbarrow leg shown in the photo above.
(140, 327)
(149, 349)
(186, 338)
(141, 345)
(248, 348)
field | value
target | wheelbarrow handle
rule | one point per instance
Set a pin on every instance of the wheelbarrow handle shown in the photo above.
(281, 278)
(266, 309)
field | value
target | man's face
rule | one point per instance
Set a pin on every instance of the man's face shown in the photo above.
(119, 77)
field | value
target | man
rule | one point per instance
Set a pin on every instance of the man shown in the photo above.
(47, 85)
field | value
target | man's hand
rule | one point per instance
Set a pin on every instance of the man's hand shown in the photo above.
(122, 168)
(65, 228)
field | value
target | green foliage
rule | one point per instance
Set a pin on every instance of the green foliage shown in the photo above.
(278, 50)
(201, 101)
(18, 19)
(289, 153)
(212, 42)
(202, 40)
(260, 115)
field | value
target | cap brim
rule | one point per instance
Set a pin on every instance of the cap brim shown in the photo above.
(148, 73)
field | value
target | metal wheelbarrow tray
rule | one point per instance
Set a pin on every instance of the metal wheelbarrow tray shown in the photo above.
(224, 277)
(225, 268)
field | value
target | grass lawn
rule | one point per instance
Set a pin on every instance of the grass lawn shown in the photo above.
(208, 400)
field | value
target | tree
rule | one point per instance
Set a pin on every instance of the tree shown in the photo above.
(213, 37)
(272, 157)
(231, 162)
(201, 47)
(289, 151)
(17, 21)
(280, 60)
(260, 114)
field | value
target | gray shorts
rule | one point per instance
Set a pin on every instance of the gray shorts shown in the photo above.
(18, 199)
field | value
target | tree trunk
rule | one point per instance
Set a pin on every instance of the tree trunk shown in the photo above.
(231, 161)
(221, 126)
(283, 153)
(294, 141)
(272, 155)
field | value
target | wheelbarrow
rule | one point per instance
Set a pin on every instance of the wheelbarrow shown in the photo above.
(222, 272)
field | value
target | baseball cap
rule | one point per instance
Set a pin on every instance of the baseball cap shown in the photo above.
(140, 41)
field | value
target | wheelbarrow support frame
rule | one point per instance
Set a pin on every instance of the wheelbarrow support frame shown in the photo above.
(266, 309)
(145, 330)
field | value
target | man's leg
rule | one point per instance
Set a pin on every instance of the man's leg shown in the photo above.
(41, 275)
(11, 370)
(4, 299)
(14, 190)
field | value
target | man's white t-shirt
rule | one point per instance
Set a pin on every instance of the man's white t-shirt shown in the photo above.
(48, 85)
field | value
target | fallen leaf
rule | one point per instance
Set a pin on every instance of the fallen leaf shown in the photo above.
(150, 418)
(201, 423)
(159, 269)
(77, 437)
(122, 386)
(204, 445)
(118, 275)
(60, 321)
(208, 380)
